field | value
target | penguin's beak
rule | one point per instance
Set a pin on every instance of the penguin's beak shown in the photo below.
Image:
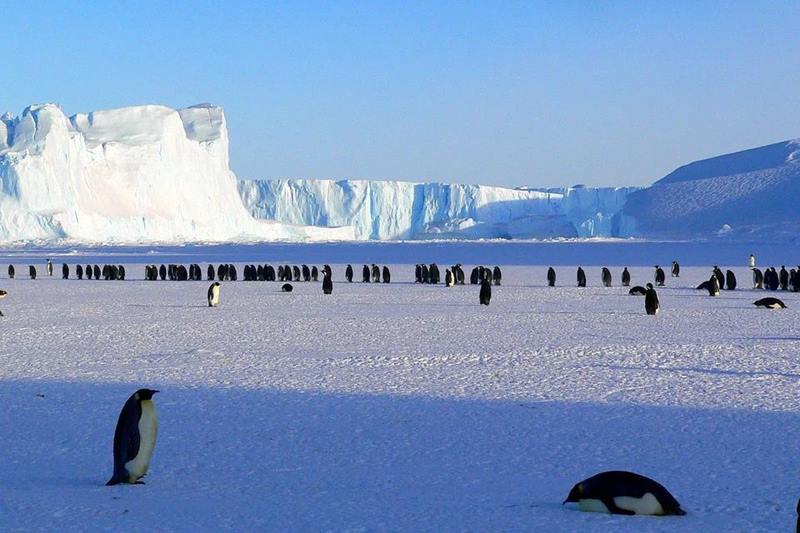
(155, 391)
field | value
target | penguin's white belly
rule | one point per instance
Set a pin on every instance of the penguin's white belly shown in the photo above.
(213, 301)
(592, 506)
(647, 504)
(148, 430)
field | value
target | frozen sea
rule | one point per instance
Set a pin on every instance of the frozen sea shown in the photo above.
(399, 407)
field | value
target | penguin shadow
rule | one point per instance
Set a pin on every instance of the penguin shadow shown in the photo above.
(709, 371)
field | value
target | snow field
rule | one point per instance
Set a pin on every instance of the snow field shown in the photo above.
(397, 407)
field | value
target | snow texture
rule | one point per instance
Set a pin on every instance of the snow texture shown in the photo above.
(129, 175)
(396, 407)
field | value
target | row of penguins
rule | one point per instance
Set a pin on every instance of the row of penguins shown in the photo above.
(107, 272)
(771, 279)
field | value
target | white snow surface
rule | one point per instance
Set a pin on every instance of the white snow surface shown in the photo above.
(388, 210)
(129, 175)
(397, 407)
(745, 195)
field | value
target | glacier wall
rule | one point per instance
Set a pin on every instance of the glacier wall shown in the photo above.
(130, 175)
(385, 210)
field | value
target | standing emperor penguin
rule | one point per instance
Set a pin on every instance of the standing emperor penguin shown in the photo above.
(651, 304)
(213, 294)
(626, 277)
(348, 273)
(11, 271)
(135, 438)
(387, 276)
(730, 280)
(449, 280)
(606, 277)
(758, 278)
(625, 493)
(365, 274)
(676, 270)
(551, 277)
(713, 286)
(485, 296)
(327, 283)
(79, 271)
(64, 271)
(660, 276)
(784, 278)
(49, 267)
(581, 277)
(751, 261)
(497, 274)
(32, 271)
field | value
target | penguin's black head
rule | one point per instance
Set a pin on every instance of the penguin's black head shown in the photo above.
(145, 394)
(575, 494)
(649, 285)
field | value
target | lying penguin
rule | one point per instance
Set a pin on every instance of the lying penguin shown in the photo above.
(627, 493)
(770, 303)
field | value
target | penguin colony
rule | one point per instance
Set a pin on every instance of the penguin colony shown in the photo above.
(614, 492)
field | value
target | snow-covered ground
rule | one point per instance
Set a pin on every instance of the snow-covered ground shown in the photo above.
(396, 407)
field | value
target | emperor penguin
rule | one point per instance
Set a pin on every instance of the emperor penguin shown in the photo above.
(474, 276)
(11, 271)
(730, 280)
(315, 273)
(638, 290)
(32, 271)
(135, 438)
(751, 261)
(551, 277)
(676, 270)
(581, 277)
(770, 303)
(626, 277)
(210, 273)
(448, 278)
(348, 273)
(485, 295)
(213, 294)
(660, 276)
(365, 274)
(720, 276)
(79, 271)
(287, 287)
(606, 277)
(387, 276)
(49, 267)
(713, 286)
(784, 278)
(626, 493)
(758, 278)
(327, 283)
(65, 271)
(376, 274)
(497, 274)
(651, 304)
(3, 294)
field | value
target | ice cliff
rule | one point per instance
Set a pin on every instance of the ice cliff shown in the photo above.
(129, 175)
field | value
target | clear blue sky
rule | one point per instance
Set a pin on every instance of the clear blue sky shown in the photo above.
(530, 93)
